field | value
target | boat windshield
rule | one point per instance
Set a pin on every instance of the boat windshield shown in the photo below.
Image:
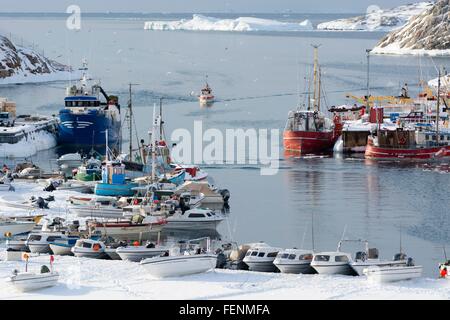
(322, 257)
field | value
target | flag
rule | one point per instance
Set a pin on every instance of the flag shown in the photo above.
(52, 258)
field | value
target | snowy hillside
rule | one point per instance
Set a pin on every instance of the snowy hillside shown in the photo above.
(23, 65)
(427, 34)
(204, 23)
(378, 19)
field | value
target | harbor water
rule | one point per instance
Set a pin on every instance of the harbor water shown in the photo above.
(257, 78)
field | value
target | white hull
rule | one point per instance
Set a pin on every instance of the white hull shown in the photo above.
(4, 187)
(294, 268)
(60, 250)
(16, 245)
(391, 274)
(130, 233)
(86, 212)
(191, 225)
(88, 253)
(112, 254)
(16, 228)
(29, 281)
(343, 269)
(38, 247)
(176, 266)
(360, 266)
(136, 254)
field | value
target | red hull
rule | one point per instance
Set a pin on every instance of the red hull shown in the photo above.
(306, 142)
(379, 153)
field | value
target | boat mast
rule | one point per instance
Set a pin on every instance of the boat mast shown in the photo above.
(312, 231)
(320, 88)
(438, 106)
(368, 79)
(130, 116)
(153, 144)
(161, 120)
(106, 138)
(316, 76)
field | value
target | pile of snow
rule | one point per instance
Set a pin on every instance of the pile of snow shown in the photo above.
(23, 65)
(29, 145)
(204, 23)
(425, 34)
(378, 19)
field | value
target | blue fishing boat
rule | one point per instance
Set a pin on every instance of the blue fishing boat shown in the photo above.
(113, 182)
(85, 118)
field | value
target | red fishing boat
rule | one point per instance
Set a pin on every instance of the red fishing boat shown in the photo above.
(310, 131)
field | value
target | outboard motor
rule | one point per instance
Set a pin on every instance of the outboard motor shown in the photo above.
(225, 195)
(50, 188)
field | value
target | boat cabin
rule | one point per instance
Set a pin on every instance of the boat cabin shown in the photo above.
(263, 252)
(312, 121)
(296, 254)
(113, 173)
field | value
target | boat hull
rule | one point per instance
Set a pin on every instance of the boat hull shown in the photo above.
(414, 154)
(260, 265)
(115, 190)
(29, 282)
(191, 225)
(392, 274)
(343, 269)
(309, 142)
(128, 232)
(294, 268)
(16, 228)
(137, 254)
(163, 267)
(39, 247)
(94, 211)
(359, 267)
(60, 249)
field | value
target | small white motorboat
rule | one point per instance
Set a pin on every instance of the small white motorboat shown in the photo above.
(88, 248)
(369, 258)
(62, 247)
(138, 253)
(334, 262)
(29, 281)
(294, 261)
(391, 273)
(39, 242)
(177, 262)
(260, 257)
(9, 227)
(194, 219)
(206, 97)
(70, 160)
(96, 207)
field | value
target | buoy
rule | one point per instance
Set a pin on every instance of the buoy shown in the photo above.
(136, 243)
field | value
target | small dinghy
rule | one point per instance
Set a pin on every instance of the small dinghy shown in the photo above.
(62, 247)
(180, 261)
(138, 253)
(29, 281)
(394, 272)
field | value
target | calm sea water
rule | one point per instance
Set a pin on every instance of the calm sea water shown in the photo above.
(257, 77)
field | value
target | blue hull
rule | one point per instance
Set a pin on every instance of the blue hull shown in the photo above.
(87, 129)
(115, 190)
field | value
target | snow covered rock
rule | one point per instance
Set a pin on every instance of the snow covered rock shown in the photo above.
(204, 23)
(22, 65)
(378, 19)
(426, 34)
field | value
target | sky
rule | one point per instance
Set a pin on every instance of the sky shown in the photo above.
(192, 6)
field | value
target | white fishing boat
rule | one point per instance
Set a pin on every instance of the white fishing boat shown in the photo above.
(86, 200)
(88, 248)
(62, 247)
(195, 219)
(294, 261)
(139, 253)
(10, 228)
(369, 258)
(261, 257)
(392, 273)
(181, 262)
(39, 242)
(334, 262)
(70, 160)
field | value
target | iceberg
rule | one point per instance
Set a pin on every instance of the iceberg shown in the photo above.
(378, 19)
(241, 24)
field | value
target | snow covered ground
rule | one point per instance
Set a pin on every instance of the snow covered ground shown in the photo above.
(82, 278)
(395, 49)
(378, 19)
(204, 23)
(34, 142)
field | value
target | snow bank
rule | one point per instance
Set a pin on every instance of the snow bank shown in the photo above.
(22, 65)
(378, 19)
(82, 278)
(34, 142)
(204, 23)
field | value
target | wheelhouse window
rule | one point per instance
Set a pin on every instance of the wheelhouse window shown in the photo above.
(291, 256)
(322, 257)
(285, 255)
(53, 238)
(254, 253)
(341, 259)
(261, 254)
(305, 257)
(272, 254)
(87, 245)
(248, 253)
(35, 237)
(196, 215)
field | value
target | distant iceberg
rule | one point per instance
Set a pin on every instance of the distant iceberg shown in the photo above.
(378, 19)
(241, 24)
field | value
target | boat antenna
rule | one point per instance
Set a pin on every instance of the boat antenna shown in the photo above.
(130, 115)
(401, 247)
(438, 106)
(161, 118)
(312, 230)
(368, 80)
(153, 144)
(342, 238)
